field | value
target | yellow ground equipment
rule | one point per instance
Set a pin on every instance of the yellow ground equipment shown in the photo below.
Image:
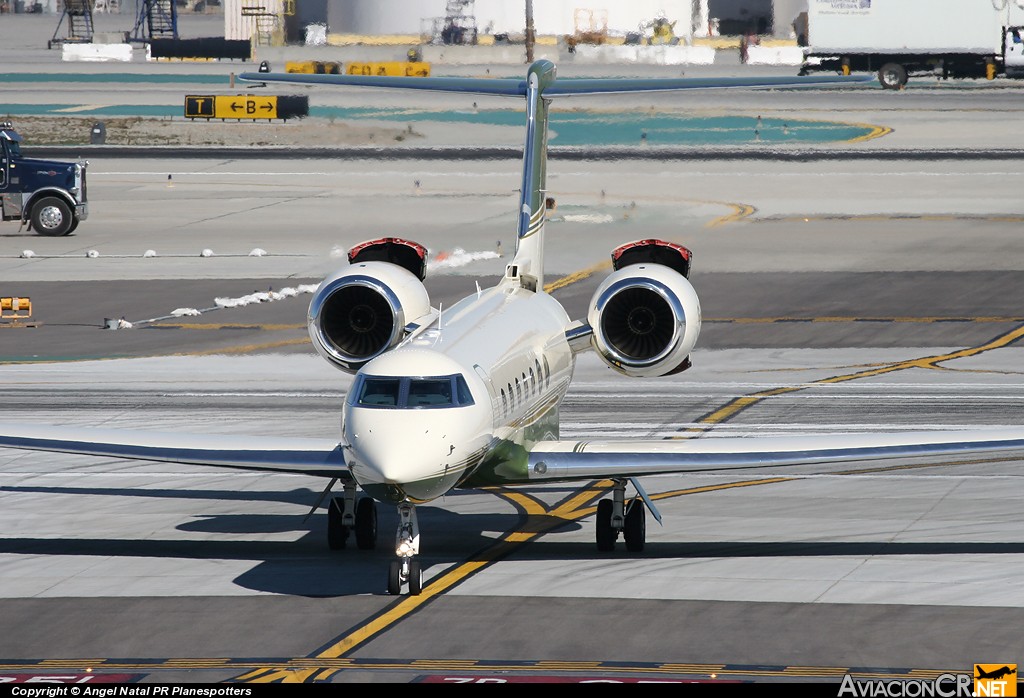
(313, 67)
(416, 69)
(14, 311)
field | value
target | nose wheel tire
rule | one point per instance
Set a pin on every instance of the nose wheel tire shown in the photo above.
(402, 571)
(51, 216)
(395, 578)
(415, 578)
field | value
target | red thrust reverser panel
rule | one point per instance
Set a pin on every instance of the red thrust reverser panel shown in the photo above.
(668, 254)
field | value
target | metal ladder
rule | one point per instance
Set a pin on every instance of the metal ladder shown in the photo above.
(157, 19)
(264, 21)
(78, 13)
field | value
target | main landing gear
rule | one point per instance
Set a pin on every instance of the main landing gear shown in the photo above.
(616, 515)
(348, 513)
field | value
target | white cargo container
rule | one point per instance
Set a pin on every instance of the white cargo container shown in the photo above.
(899, 38)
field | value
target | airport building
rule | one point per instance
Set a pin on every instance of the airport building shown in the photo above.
(462, 21)
(691, 18)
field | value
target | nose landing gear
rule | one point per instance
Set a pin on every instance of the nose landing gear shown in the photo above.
(406, 569)
(402, 571)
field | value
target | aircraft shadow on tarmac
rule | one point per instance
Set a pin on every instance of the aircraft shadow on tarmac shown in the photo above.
(302, 567)
(305, 567)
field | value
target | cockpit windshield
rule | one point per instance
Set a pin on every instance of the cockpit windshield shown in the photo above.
(401, 392)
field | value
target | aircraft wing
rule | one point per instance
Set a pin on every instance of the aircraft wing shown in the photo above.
(574, 460)
(319, 457)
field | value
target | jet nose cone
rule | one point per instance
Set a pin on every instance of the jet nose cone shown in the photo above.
(402, 457)
(421, 453)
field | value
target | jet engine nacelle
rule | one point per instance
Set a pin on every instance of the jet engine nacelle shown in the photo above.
(645, 319)
(362, 311)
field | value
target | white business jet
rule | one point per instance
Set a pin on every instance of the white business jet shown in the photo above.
(469, 396)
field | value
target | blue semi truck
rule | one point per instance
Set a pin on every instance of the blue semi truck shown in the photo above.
(48, 195)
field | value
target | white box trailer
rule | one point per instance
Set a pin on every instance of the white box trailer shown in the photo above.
(899, 38)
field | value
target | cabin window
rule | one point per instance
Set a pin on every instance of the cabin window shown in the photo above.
(519, 392)
(504, 402)
(547, 373)
(403, 392)
(533, 381)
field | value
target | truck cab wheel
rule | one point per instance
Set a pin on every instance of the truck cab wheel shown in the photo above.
(893, 76)
(51, 216)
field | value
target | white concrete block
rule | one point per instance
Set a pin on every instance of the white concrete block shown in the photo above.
(97, 52)
(775, 55)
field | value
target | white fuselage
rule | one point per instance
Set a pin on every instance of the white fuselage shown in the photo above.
(509, 346)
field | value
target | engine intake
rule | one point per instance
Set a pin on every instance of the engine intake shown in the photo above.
(645, 319)
(362, 311)
(638, 322)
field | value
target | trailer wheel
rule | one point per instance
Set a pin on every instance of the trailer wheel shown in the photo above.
(893, 76)
(51, 216)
